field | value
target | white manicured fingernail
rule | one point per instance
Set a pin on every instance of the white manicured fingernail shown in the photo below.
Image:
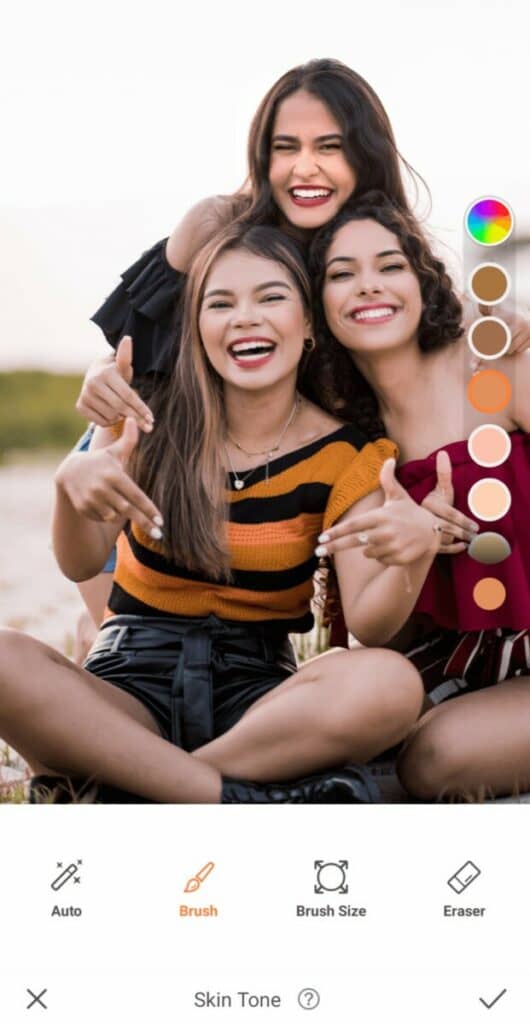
(155, 533)
(323, 538)
(158, 521)
(321, 551)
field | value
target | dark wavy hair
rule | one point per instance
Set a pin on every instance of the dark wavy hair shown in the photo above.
(369, 141)
(331, 375)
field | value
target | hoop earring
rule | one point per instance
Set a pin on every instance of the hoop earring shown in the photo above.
(309, 344)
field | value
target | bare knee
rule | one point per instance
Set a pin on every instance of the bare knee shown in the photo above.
(20, 656)
(398, 687)
(381, 688)
(433, 763)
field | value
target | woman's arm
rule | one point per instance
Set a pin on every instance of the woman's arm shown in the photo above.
(106, 394)
(521, 391)
(196, 228)
(384, 547)
(95, 497)
(377, 596)
(95, 593)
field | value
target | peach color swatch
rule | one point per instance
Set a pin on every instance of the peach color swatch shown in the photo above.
(489, 499)
(489, 445)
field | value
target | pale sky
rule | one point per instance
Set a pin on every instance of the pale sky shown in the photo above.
(116, 116)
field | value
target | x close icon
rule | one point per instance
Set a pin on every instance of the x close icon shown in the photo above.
(36, 1000)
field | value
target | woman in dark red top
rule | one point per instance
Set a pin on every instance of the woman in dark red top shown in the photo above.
(408, 373)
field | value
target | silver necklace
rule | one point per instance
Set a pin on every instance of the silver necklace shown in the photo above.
(239, 480)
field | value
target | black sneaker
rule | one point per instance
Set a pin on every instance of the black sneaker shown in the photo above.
(352, 784)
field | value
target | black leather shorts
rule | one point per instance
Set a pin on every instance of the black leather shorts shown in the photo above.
(197, 677)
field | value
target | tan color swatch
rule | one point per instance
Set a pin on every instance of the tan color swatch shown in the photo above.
(489, 337)
(489, 283)
(489, 548)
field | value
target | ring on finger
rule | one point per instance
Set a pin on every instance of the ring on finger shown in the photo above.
(363, 538)
(109, 516)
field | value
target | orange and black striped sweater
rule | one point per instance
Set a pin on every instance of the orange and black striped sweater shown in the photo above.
(273, 528)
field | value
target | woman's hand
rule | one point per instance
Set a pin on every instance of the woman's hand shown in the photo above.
(440, 503)
(399, 532)
(98, 486)
(106, 396)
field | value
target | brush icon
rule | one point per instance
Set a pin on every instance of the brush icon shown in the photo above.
(196, 881)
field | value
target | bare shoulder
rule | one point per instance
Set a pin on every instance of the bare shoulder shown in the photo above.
(316, 422)
(197, 227)
(517, 369)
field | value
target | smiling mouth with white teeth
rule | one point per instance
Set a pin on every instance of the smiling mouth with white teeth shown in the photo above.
(310, 195)
(252, 352)
(373, 314)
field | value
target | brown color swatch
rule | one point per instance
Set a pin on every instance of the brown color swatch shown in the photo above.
(489, 391)
(489, 337)
(489, 283)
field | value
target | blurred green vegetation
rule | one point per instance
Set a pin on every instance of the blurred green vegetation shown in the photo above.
(37, 411)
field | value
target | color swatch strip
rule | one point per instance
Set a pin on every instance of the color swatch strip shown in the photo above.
(489, 221)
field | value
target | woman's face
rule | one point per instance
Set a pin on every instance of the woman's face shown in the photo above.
(372, 298)
(252, 321)
(309, 173)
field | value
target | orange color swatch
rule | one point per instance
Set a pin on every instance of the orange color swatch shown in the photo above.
(489, 593)
(489, 391)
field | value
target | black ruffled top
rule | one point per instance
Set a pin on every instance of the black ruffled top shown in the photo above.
(148, 305)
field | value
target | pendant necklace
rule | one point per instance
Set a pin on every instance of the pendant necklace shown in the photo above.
(239, 480)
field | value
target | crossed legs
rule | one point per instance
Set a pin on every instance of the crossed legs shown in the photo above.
(340, 707)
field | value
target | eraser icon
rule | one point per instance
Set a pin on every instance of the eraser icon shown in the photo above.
(464, 876)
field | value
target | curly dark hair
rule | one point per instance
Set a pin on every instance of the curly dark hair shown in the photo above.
(331, 376)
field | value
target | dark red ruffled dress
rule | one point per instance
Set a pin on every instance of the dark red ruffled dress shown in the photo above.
(469, 648)
(460, 647)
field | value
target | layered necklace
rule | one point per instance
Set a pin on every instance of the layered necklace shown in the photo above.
(241, 479)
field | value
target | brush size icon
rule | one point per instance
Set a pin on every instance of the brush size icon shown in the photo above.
(464, 877)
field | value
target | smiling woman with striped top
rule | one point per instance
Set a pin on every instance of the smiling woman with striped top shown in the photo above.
(191, 688)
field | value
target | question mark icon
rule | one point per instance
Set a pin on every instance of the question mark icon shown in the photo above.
(308, 998)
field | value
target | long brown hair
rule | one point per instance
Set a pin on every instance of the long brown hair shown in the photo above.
(340, 386)
(180, 464)
(369, 141)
